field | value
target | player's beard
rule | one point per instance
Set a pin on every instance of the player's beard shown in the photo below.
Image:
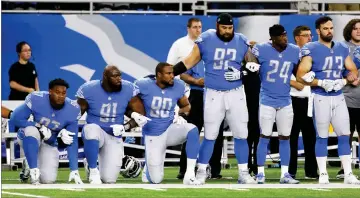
(167, 83)
(54, 105)
(326, 38)
(115, 88)
(222, 37)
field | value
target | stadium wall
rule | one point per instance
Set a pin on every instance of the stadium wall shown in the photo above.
(77, 47)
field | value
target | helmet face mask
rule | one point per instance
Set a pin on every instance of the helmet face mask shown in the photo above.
(131, 167)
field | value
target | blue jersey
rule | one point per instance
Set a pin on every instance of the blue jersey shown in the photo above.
(106, 108)
(326, 63)
(197, 72)
(159, 104)
(38, 105)
(275, 73)
(218, 56)
(357, 57)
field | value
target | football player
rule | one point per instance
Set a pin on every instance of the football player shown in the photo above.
(160, 95)
(106, 102)
(222, 51)
(54, 114)
(326, 59)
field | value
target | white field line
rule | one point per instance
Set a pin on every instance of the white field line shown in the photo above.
(22, 194)
(238, 189)
(156, 189)
(319, 189)
(179, 186)
(73, 189)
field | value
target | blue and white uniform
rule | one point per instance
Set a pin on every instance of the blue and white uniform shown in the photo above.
(44, 154)
(104, 109)
(161, 132)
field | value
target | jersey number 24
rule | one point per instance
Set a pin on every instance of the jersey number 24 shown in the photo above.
(283, 72)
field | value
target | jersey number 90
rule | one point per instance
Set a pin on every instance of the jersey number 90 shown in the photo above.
(160, 107)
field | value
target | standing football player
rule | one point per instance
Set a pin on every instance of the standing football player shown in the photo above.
(106, 101)
(160, 95)
(54, 114)
(278, 60)
(351, 35)
(327, 58)
(222, 51)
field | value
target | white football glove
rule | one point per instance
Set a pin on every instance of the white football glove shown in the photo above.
(74, 175)
(233, 74)
(179, 120)
(328, 85)
(67, 136)
(118, 129)
(140, 119)
(253, 67)
(339, 84)
(309, 77)
(45, 131)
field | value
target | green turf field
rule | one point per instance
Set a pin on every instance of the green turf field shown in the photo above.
(173, 187)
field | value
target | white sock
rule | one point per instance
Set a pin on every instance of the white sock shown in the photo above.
(191, 163)
(346, 162)
(242, 167)
(202, 166)
(321, 164)
(284, 169)
(261, 169)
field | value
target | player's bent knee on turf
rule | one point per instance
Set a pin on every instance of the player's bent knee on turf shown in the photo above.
(92, 131)
(155, 174)
(32, 131)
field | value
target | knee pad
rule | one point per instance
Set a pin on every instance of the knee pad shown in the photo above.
(92, 132)
(32, 131)
(211, 135)
(156, 175)
(189, 127)
(323, 133)
(157, 178)
(47, 178)
(108, 180)
(241, 134)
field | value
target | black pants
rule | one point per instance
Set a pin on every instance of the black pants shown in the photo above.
(304, 124)
(196, 117)
(252, 91)
(354, 114)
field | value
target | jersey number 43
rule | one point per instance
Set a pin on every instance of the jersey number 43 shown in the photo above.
(328, 64)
